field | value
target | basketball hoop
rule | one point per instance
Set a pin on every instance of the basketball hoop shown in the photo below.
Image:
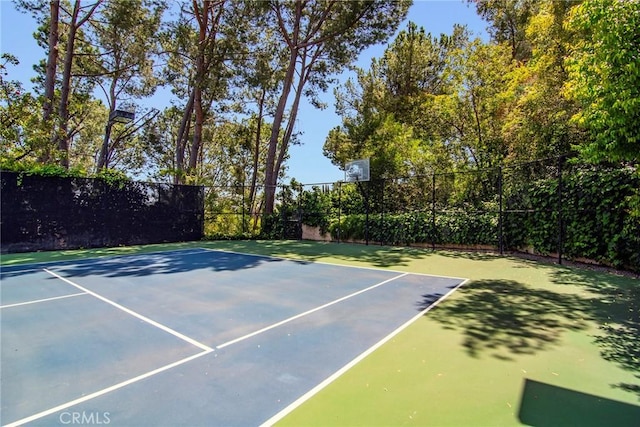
(357, 170)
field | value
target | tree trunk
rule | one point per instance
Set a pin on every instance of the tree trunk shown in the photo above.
(256, 151)
(197, 128)
(271, 175)
(181, 140)
(50, 78)
(52, 61)
(62, 134)
(202, 16)
(65, 90)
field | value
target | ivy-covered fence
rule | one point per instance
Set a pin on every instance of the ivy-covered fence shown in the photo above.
(552, 207)
(52, 212)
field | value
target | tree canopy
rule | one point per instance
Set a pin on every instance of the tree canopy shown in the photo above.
(554, 77)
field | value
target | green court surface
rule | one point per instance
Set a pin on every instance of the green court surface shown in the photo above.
(521, 343)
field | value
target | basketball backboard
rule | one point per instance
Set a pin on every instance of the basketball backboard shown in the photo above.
(357, 170)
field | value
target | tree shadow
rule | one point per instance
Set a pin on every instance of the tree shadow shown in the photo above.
(616, 308)
(505, 317)
(374, 255)
(147, 264)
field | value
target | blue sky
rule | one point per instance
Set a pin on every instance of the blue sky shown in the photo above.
(307, 164)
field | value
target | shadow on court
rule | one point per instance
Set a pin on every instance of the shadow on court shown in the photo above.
(376, 256)
(500, 315)
(546, 405)
(504, 318)
(617, 310)
(150, 264)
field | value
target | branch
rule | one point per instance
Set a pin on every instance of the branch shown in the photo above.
(321, 21)
(339, 31)
(275, 6)
(89, 13)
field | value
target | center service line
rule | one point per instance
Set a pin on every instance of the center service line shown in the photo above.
(313, 310)
(133, 313)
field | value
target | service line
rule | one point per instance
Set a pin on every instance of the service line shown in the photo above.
(313, 310)
(106, 390)
(41, 300)
(133, 313)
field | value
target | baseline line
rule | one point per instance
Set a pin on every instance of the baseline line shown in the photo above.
(42, 300)
(313, 310)
(106, 390)
(308, 395)
(133, 313)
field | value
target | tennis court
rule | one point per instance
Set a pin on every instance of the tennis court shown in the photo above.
(191, 337)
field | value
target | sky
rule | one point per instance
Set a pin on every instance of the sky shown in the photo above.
(307, 164)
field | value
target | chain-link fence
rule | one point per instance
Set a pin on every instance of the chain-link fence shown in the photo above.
(238, 212)
(554, 206)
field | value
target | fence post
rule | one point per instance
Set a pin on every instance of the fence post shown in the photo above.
(383, 231)
(560, 217)
(433, 211)
(283, 214)
(299, 226)
(339, 209)
(366, 219)
(243, 208)
(501, 212)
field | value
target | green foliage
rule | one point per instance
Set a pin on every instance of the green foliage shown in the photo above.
(316, 207)
(31, 168)
(112, 177)
(278, 226)
(598, 217)
(604, 75)
(455, 227)
(600, 225)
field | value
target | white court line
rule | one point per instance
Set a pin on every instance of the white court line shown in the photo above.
(286, 411)
(42, 300)
(361, 267)
(313, 310)
(133, 313)
(106, 390)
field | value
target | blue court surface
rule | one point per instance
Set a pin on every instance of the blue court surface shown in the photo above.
(190, 338)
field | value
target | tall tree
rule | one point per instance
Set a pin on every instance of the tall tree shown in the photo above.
(390, 108)
(320, 38)
(259, 73)
(200, 42)
(471, 109)
(125, 42)
(77, 17)
(50, 22)
(61, 35)
(52, 60)
(509, 20)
